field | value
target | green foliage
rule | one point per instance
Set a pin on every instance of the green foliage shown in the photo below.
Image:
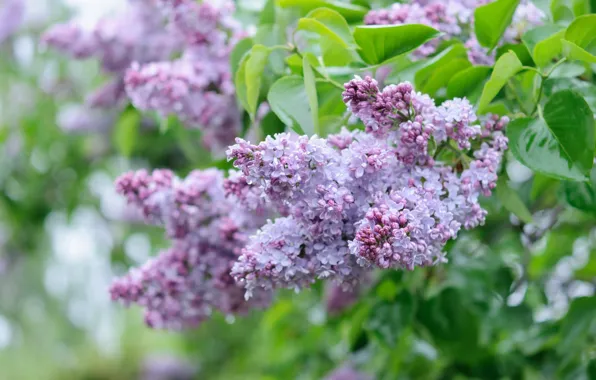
(492, 19)
(378, 44)
(505, 68)
(473, 317)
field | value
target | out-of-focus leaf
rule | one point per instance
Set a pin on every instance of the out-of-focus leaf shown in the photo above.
(578, 326)
(491, 20)
(380, 43)
(582, 195)
(588, 272)
(334, 22)
(351, 12)
(314, 37)
(544, 43)
(288, 99)
(388, 320)
(522, 52)
(576, 53)
(505, 67)
(438, 70)
(568, 9)
(268, 13)
(559, 244)
(512, 202)
(271, 124)
(241, 48)
(249, 77)
(311, 92)
(126, 131)
(562, 144)
(468, 82)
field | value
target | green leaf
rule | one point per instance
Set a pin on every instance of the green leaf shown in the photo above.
(558, 245)
(351, 12)
(271, 124)
(525, 87)
(491, 20)
(467, 82)
(268, 13)
(380, 43)
(126, 131)
(511, 201)
(427, 71)
(520, 50)
(314, 37)
(578, 326)
(544, 43)
(588, 272)
(582, 31)
(568, 9)
(241, 48)
(311, 92)
(335, 22)
(388, 320)
(288, 99)
(582, 195)
(568, 70)
(561, 144)
(441, 77)
(249, 78)
(576, 53)
(541, 184)
(505, 67)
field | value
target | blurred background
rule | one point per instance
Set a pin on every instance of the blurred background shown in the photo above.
(65, 234)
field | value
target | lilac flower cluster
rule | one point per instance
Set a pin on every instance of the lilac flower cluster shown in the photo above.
(455, 19)
(136, 35)
(358, 199)
(12, 13)
(183, 285)
(347, 372)
(136, 48)
(197, 87)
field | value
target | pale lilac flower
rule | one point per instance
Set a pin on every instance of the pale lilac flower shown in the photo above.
(12, 13)
(185, 284)
(361, 199)
(346, 372)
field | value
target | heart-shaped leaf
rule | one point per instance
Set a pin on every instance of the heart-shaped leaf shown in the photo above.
(468, 82)
(491, 20)
(561, 144)
(380, 43)
(351, 12)
(311, 92)
(544, 43)
(506, 66)
(289, 100)
(512, 202)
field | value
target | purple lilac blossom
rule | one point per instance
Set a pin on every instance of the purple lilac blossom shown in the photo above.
(198, 86)
(184, 284)
(454, 18)
(367, 198)
(338, 299)
(136, 35)
(12, 13)
(347, 372)
(162, 367)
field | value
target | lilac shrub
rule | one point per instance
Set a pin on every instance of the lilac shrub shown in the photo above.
(455, 18)
(183, 285)
(197, 87)
(136, 49)
(338, 206)
(365, 199)
(136, 35)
